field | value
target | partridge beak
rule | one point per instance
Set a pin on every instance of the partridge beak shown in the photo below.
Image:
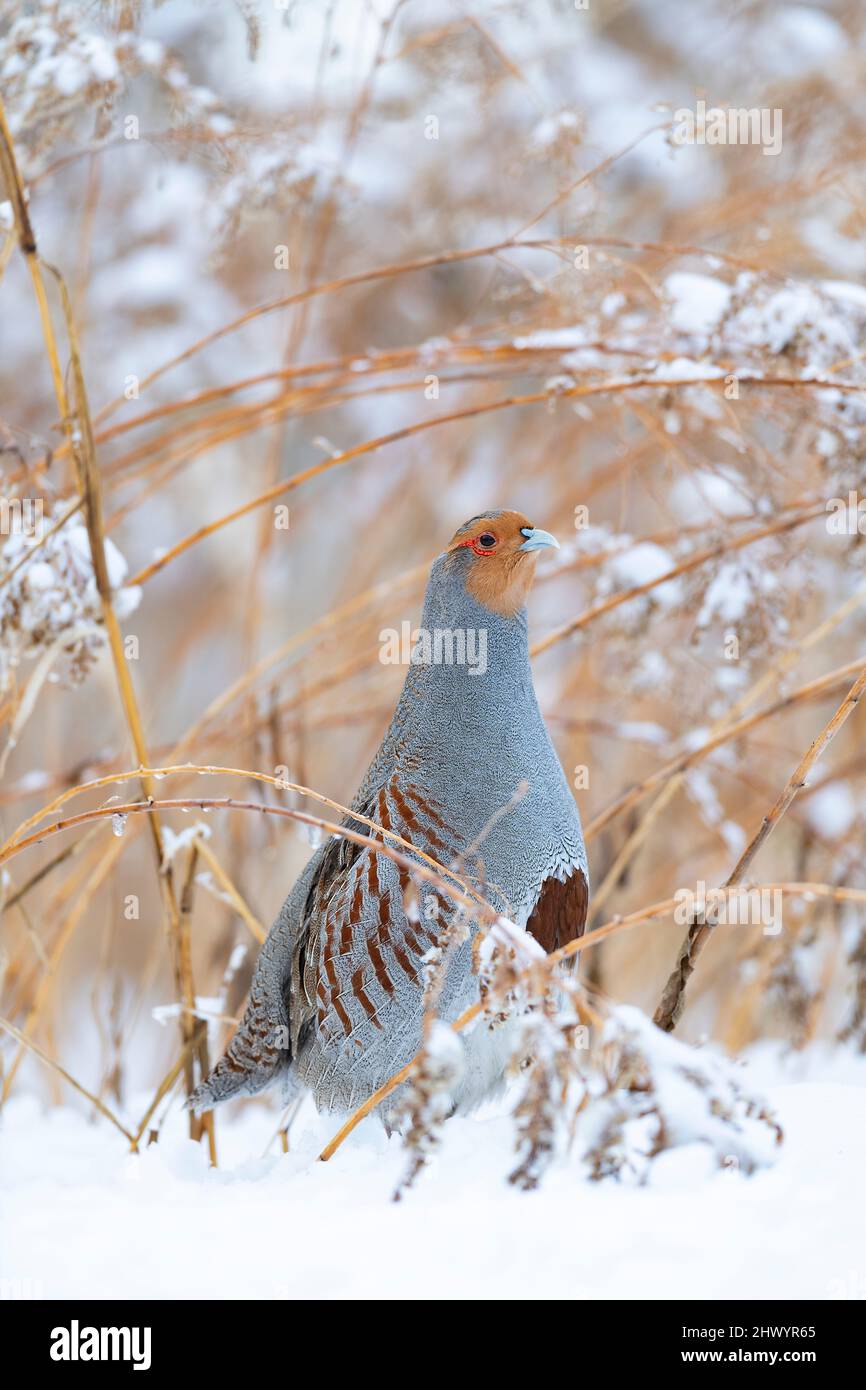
(537, 539)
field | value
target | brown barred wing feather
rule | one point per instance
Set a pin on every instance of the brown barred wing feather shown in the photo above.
(367, 955)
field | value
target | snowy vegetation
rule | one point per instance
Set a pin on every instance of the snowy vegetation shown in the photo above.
(289, 291)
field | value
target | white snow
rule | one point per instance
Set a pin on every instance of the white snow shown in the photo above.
(831, 810)
(686, 369)
(652, 671)
(824, 328)
(734, 837)
(697, 301)
(174, 841)
(705, 496)
(548, 131)
(643, 731)
(641, 565)
(799, 38)
(845, 292)
(728, 595)
(81, 1217)
(572, 337)
(54, 597)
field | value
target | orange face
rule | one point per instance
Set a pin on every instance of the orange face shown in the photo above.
(502, 547)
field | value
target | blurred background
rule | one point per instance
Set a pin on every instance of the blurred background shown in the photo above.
(428, 259)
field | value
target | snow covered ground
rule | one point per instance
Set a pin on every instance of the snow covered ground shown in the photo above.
(80, 1217)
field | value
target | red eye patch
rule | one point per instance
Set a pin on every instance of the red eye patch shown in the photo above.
(485, 544)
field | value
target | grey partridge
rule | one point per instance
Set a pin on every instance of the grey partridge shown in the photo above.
(467, 774)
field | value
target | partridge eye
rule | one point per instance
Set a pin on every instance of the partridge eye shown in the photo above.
(488, 540)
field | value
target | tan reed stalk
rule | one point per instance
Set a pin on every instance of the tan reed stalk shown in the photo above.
(672, 1002)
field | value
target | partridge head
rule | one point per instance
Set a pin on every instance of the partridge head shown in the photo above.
(467, 774)
(498, 554)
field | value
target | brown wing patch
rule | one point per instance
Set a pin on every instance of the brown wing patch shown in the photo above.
(375, 941)
(368, 948)
(363, 997)
(559, 916)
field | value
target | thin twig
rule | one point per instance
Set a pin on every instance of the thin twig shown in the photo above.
(672, 1001)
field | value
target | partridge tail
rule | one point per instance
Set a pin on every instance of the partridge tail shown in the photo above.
(259, 1051)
